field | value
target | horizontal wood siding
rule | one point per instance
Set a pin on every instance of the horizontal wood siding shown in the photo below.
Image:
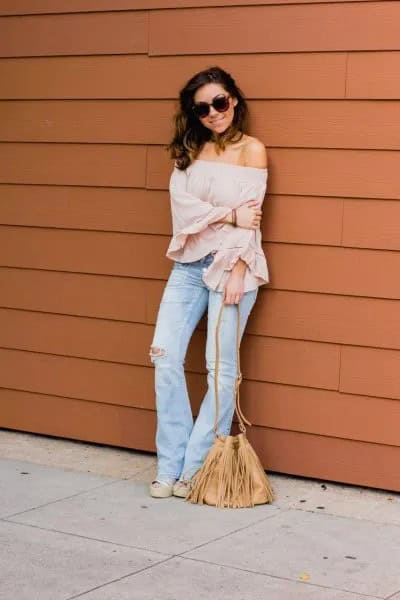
(25, 7)
(85, 113)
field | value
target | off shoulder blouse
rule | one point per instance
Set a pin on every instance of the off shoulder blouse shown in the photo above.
(203, 193)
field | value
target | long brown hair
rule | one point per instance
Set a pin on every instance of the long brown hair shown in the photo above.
(190, 134)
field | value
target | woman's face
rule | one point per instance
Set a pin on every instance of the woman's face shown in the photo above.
(216, 121)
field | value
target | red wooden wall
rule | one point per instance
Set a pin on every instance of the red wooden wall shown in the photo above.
(87, 92)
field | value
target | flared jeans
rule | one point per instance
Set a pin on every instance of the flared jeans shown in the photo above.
(182, 445)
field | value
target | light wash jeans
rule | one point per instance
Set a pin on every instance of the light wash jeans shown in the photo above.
(181, 445)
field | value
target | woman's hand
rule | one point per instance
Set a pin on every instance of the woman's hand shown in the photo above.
(249, 215)
(234, 287)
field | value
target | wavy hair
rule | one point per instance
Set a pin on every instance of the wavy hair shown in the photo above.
(189, 133)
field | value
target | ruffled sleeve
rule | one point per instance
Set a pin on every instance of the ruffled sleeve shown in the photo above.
(190, 214)
(242, 243)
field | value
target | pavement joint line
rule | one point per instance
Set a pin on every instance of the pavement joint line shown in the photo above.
(140, 473)
(391, 595)
(318, 585)
(63, 467)
(352, 517)
(72, 470)
(6, 520)
(22, 512)
(221, 537)
(132, 574)
(86, 537)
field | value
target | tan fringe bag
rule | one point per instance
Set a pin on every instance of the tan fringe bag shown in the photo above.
(232, 475)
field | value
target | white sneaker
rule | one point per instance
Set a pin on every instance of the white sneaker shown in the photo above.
(162, 488)
(181, 488)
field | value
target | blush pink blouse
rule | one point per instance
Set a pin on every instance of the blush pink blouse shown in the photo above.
(206, 191)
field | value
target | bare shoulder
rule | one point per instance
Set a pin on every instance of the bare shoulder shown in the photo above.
(255, 153)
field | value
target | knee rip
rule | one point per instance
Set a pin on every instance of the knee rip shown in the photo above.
(156, 352)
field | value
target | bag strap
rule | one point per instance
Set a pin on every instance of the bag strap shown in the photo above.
(238, 379)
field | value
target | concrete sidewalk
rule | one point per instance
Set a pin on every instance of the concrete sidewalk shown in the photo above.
(77, 521)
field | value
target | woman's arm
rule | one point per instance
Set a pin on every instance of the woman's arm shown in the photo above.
(248, 215)
(190, 214)
(256, 156)
(246, 255)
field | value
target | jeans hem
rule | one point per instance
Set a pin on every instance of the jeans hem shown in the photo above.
(191, 472)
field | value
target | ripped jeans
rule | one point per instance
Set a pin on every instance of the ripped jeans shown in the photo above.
(181, 445)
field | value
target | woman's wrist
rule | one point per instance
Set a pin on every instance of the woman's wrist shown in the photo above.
(239, 267)
(230, 218)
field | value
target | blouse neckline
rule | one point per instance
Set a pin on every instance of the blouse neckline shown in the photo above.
(217, 162)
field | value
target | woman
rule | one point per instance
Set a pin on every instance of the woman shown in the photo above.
(216, 189)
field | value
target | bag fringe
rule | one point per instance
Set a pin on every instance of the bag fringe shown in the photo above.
(253, 469)
(232, 471)
(226, 469)
(201, 479)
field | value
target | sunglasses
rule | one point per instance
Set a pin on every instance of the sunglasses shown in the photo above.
(220, 103)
